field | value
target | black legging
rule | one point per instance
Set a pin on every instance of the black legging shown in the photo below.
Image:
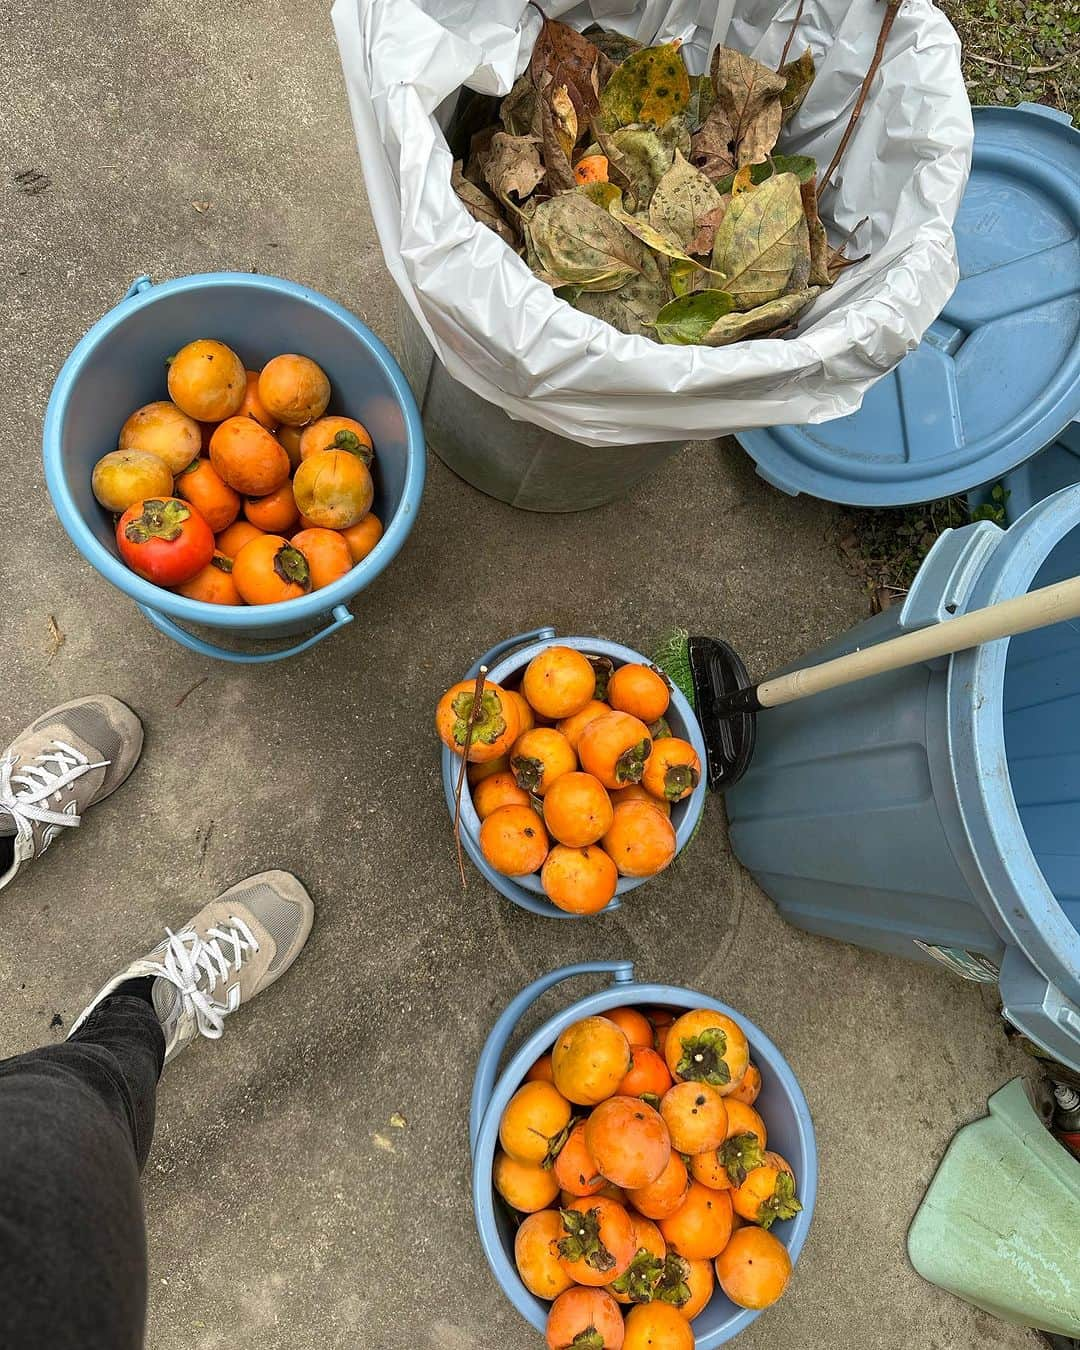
(76, 1123)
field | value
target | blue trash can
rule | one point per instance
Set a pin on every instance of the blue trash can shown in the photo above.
(781, 1103)
(934, 812)
(1047, 472)
(120, 364)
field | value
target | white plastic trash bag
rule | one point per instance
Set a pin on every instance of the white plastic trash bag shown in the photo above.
(503, 333)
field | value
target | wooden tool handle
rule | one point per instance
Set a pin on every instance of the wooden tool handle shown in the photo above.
(1036, 609)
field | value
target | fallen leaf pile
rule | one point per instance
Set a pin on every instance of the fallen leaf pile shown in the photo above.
(651, 198)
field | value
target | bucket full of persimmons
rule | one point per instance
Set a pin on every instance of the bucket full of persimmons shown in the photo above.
(582, 770)
(644, 1167)
(236, 452)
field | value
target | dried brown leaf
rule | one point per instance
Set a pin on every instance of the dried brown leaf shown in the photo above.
(702, 242)
(567, 57)
(560, 174)
(683, 197)
(513, 167)
(712, 149)
(743, 87)
(634, 306)
(479, 205)
(578, 242)
(819, 242)
(760, 137)
(798, 76)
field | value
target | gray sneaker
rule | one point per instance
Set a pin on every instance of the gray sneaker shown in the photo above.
(229, 952)
(69, 759)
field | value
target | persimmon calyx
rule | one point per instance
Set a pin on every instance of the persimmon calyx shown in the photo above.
(603, 669)
(490, 723)
(556, 1143)
(350, 441)
(782, 1204)
(679, 779)
(703, 1060)
(159, 520)
(631, 763)
(583, 1241)
(528, 772)
(671, 1285)
(222, 563)
(639, 1280)
(291, 566)
(589, 1339)
(660, 729)
(740, 1155)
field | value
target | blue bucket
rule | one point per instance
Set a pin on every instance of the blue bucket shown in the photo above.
(120, 365)
(934, 812)
(781, 1103)
(506, 662)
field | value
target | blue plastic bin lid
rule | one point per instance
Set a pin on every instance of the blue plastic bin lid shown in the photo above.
(997, 375)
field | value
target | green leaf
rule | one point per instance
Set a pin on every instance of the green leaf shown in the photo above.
(577, 241)
(685, 278)
(682, 198)
(799, 76)
(603, 194)
(685, 321)
(513, 166)
(651, 85)
(743, 87)
(702, 95)
(804, 167)
(644, 158)
(760, 136)
(758, 241)
(634, 306)
(762, 319)
(712, 149)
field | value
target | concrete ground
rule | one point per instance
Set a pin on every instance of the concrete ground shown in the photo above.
(284, 1208)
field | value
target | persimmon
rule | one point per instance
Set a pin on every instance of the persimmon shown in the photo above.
(500, 789)
(252, 405)
(207, 380)
(536, 1254)
(743, 1148)
(513, 840)
(636, 793)
(641, 840)
(585, 1319)
(333, 489)
(327, 554)
(591, 169)
(558, 682)
(214, 584)
(535, 1124)
(526, 1187)
(696, 1117)
(337, 433)
(123, 477)
(710, 1171)
(290, 441)
(767, 1193)
(248, 458)
(269, 569)
(607, 1190)
(638, 1281)
(575, 1167)
(526, 716)
(708, 1047)
(701, 1282)
(239, 533)
(750, 1087)
(275, 513)
(540, 1072)
(598, 1241)
(164, 540)
(614, 748)
(754, 1268)
(363, 536)
(672, 771)
(494, 730)
(162, 429)
(657, 1326)
(476, 773)
(589, 1060)
(629, 1141)
(572, 727)
(648, 1076)
(539, 757)
(214, 500)
(293, 389)
(635, 1025)
(665, 1194)
(699, 1229)
(640, 691)
(661, 1020)
(579, 880)
(577, 809)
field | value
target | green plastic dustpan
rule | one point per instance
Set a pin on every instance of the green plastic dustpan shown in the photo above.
(999, 1226)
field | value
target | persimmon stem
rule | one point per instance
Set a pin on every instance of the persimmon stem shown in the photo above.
(474, 717)
(891, 9)
(794, 26)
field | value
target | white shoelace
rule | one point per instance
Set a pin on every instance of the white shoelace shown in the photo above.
(194, 966)
(25, 795)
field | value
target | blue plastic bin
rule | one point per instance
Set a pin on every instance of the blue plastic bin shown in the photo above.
(781, 1103)
(1047, 472)
(120, 365)
(506, 663)
(934, 812)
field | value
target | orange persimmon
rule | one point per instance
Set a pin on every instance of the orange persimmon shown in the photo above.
(333, 489)
(207, 381)
(640, 840)
(293, 389)
(558, 682)
(494, 730)
(579, 880)
(239, 533)
(696, 1117)
(513, 840)
(248, 458)
(589, 1060)
(649, 1075)
(634, 1024)
(629, 1141)
(663, 1196)
(539, 757)
(577, 809)
(754, 1268)
(327, 554)
(275, 513)
(584, 1319)
(269, 569)
(536, 1254)
(672, 771)
(252, 405)
(709, 1047)
(362, 537)
(214, 584)
(214, 500)
(336, 433)
(636, 793)
(535, 1122)
(657, 1326)
(614, 749)
(575, 1167)
(572, 727)
(500, 789)
(701, 1226)
(641, 691)
(526, 1187)
(598, 1241)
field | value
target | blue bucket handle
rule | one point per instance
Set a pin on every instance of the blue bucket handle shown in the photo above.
(137, 287)
(508, 644)
(201, 648)
(487, 1067)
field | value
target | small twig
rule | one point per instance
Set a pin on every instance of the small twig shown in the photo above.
(794, 25)
(474, 717)
(198, 684)
(889, 17)
(1011, 65)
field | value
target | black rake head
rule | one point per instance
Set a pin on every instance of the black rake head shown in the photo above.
(718, 673)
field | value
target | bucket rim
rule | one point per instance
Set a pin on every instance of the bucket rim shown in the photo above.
(247, 618)
(764, 1051)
